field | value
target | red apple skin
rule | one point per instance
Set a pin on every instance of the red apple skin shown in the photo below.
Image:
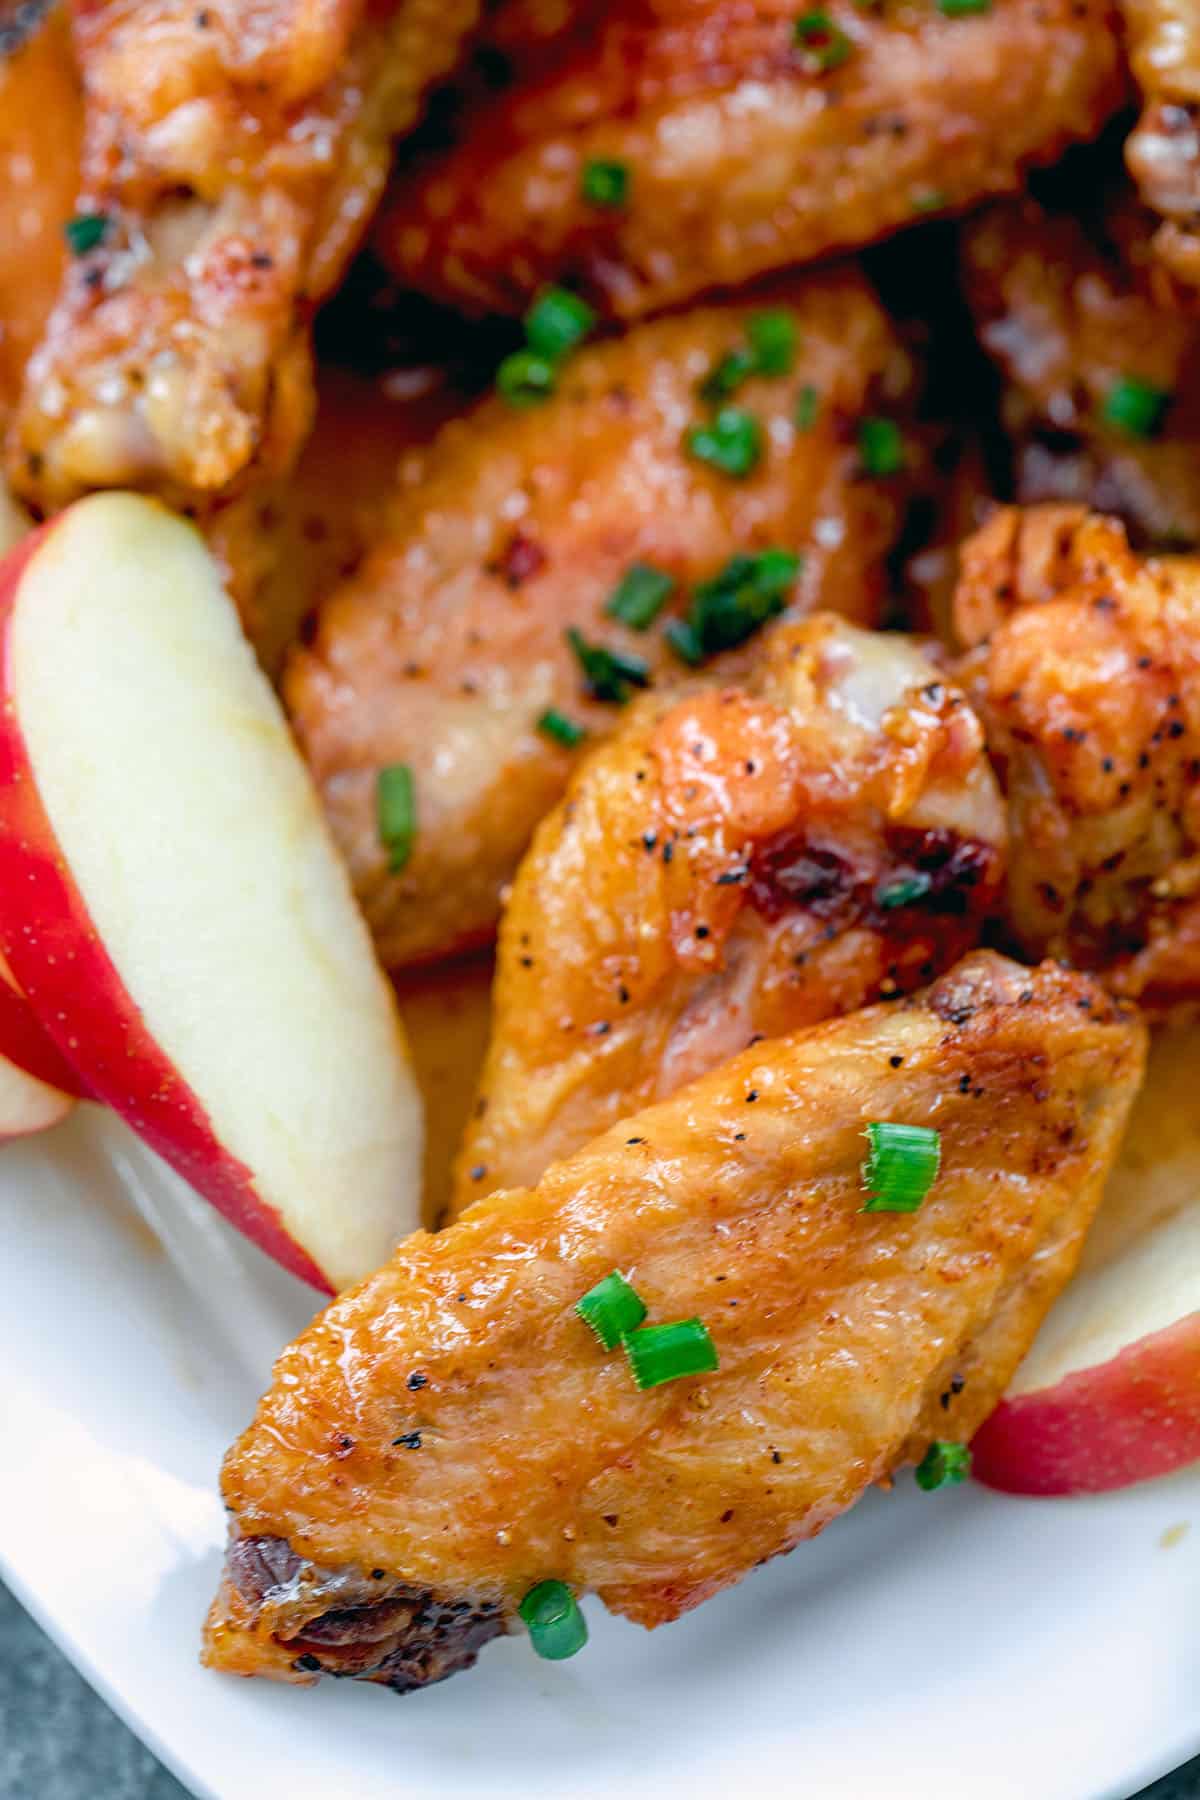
(78, 996)
(23, 1042)
(1125, 1420)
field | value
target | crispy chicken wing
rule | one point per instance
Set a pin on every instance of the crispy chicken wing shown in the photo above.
(1087, 677)
(732, 866)
(747, 137)
(450, 1432)
(447, 648)
(234, 153)
(1067, 307)
(1163, 151)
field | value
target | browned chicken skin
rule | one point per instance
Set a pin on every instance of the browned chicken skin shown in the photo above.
(1087, 677)
(732, 866)
(235, 152)
(1069, 309)
(450, 1432)
(1163, 152)
(745, 150)
(451, 642)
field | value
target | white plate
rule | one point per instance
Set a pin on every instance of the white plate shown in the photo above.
(958, 1644)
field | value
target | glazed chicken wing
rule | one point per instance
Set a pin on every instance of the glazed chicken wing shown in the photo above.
(232, 155)
(1087, 677)
(1163, 151)
(450, 1432)
(1102, 380)
(731, 866)
(744, 138)
(451, 643)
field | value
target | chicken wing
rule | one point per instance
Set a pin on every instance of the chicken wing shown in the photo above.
(662, 149)
(450, 1432)
(1087, 677)
(451, 643)
(1163, 152)
(1102, 380)
(232, 156)
(732, 866)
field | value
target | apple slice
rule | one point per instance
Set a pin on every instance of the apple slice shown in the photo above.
(173, 907)
(1110, 1392)
(37, 1088)
(24, 1042)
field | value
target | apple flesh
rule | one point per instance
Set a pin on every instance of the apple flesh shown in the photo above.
(174, 910)
(1110, 1391)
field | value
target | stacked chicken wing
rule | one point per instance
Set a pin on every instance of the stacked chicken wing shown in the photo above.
(782, 645)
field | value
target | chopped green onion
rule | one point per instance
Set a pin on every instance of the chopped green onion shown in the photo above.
(773, 340)
(612, 1308)
(557, 1628)
(556, 322)
(823, 42)
(901, 1167)
(736, 603)
(963, 9)
(903, 890)
(684, 642)
(727, 376)
(396, 813)
(640, 596)
(731, 443)
(943, 1465)
(605, 183)
(556, 725)
(880, 446)
(524, 378)
(608, 674)
(928, 200)
(85, 231)
(659, 1353)
(1135, 408)
(808, 405)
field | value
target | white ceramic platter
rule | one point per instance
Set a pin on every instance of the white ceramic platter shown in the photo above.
(959, 1644)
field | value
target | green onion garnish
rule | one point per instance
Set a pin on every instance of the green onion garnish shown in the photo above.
(735, 604)
(640, 596)
(823, 43)
(396, 813)
(85, 231)
(1135, 408)
(943, 1465)
(880, 446)
(808, 405)
(928, 200)
(727, 376)
(901, 1167)
(659, 1353)
(604, 183)
(525, 378)
(556, 725)
(556, 322)
(557, 1628)
(731, 443)
(963, 9)
(903, 890)
(612, 1308)
(773, 341)
(771, 351)
(608, 674)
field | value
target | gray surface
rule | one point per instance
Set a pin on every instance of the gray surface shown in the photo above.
(59, 1742)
